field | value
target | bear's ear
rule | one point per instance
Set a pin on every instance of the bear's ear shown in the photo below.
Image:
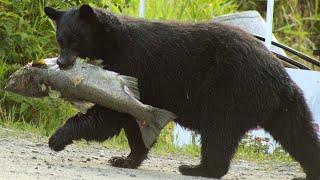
(53, 13)
(86, 11)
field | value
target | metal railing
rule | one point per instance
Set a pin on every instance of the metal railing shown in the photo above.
(295, 52)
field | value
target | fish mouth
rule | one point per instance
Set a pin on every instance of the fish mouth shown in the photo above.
(5, 88)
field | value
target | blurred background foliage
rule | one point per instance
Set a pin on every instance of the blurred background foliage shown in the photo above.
(26, 34)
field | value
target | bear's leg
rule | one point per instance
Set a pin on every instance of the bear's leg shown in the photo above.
(98, 124)
(220, 132)
(218, 146)
(292, 127)
(223, 122)
(138, 150)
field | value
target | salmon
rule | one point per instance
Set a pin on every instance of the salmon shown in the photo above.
(85, 85)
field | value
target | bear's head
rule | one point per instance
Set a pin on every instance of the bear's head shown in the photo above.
(85, 32)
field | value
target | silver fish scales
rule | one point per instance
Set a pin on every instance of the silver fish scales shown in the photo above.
(85, 85)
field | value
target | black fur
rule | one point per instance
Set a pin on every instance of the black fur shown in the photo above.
(219, 80)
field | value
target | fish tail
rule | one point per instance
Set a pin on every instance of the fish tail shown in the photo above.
(151, 129)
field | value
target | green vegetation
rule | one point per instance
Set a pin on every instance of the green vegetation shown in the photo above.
(26, 34)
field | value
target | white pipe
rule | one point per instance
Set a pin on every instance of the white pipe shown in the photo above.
(270, 7)
(142, 8)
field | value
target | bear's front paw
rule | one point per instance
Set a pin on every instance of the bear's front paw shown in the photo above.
(124, 162)
(59, 140)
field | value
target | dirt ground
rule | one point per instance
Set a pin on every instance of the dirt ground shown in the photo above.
(27, 156)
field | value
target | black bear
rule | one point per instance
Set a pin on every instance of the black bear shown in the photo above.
(219, 80)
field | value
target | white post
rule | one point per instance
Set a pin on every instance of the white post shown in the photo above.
(270, 6)
(142, 8)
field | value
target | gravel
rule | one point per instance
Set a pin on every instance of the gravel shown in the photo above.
(27, 156)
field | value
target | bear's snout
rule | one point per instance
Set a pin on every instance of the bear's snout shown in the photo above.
(66, 61)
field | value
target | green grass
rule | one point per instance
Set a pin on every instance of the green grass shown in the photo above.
(37, 115)
(26, 34)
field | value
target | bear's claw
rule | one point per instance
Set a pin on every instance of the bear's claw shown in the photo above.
(124, 162)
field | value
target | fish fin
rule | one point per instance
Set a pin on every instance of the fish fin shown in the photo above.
(131, 85)
(52, 93)
(82, 106)
(151, 129)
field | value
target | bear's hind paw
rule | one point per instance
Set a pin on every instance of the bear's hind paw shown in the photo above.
(197, 170)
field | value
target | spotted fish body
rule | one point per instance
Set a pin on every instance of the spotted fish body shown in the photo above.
(85, 85)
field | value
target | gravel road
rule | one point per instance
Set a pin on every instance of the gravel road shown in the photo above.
(27, 156)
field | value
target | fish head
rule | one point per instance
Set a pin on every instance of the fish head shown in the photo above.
(25, 83)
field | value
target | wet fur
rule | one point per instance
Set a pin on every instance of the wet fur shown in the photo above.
(219, 80)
